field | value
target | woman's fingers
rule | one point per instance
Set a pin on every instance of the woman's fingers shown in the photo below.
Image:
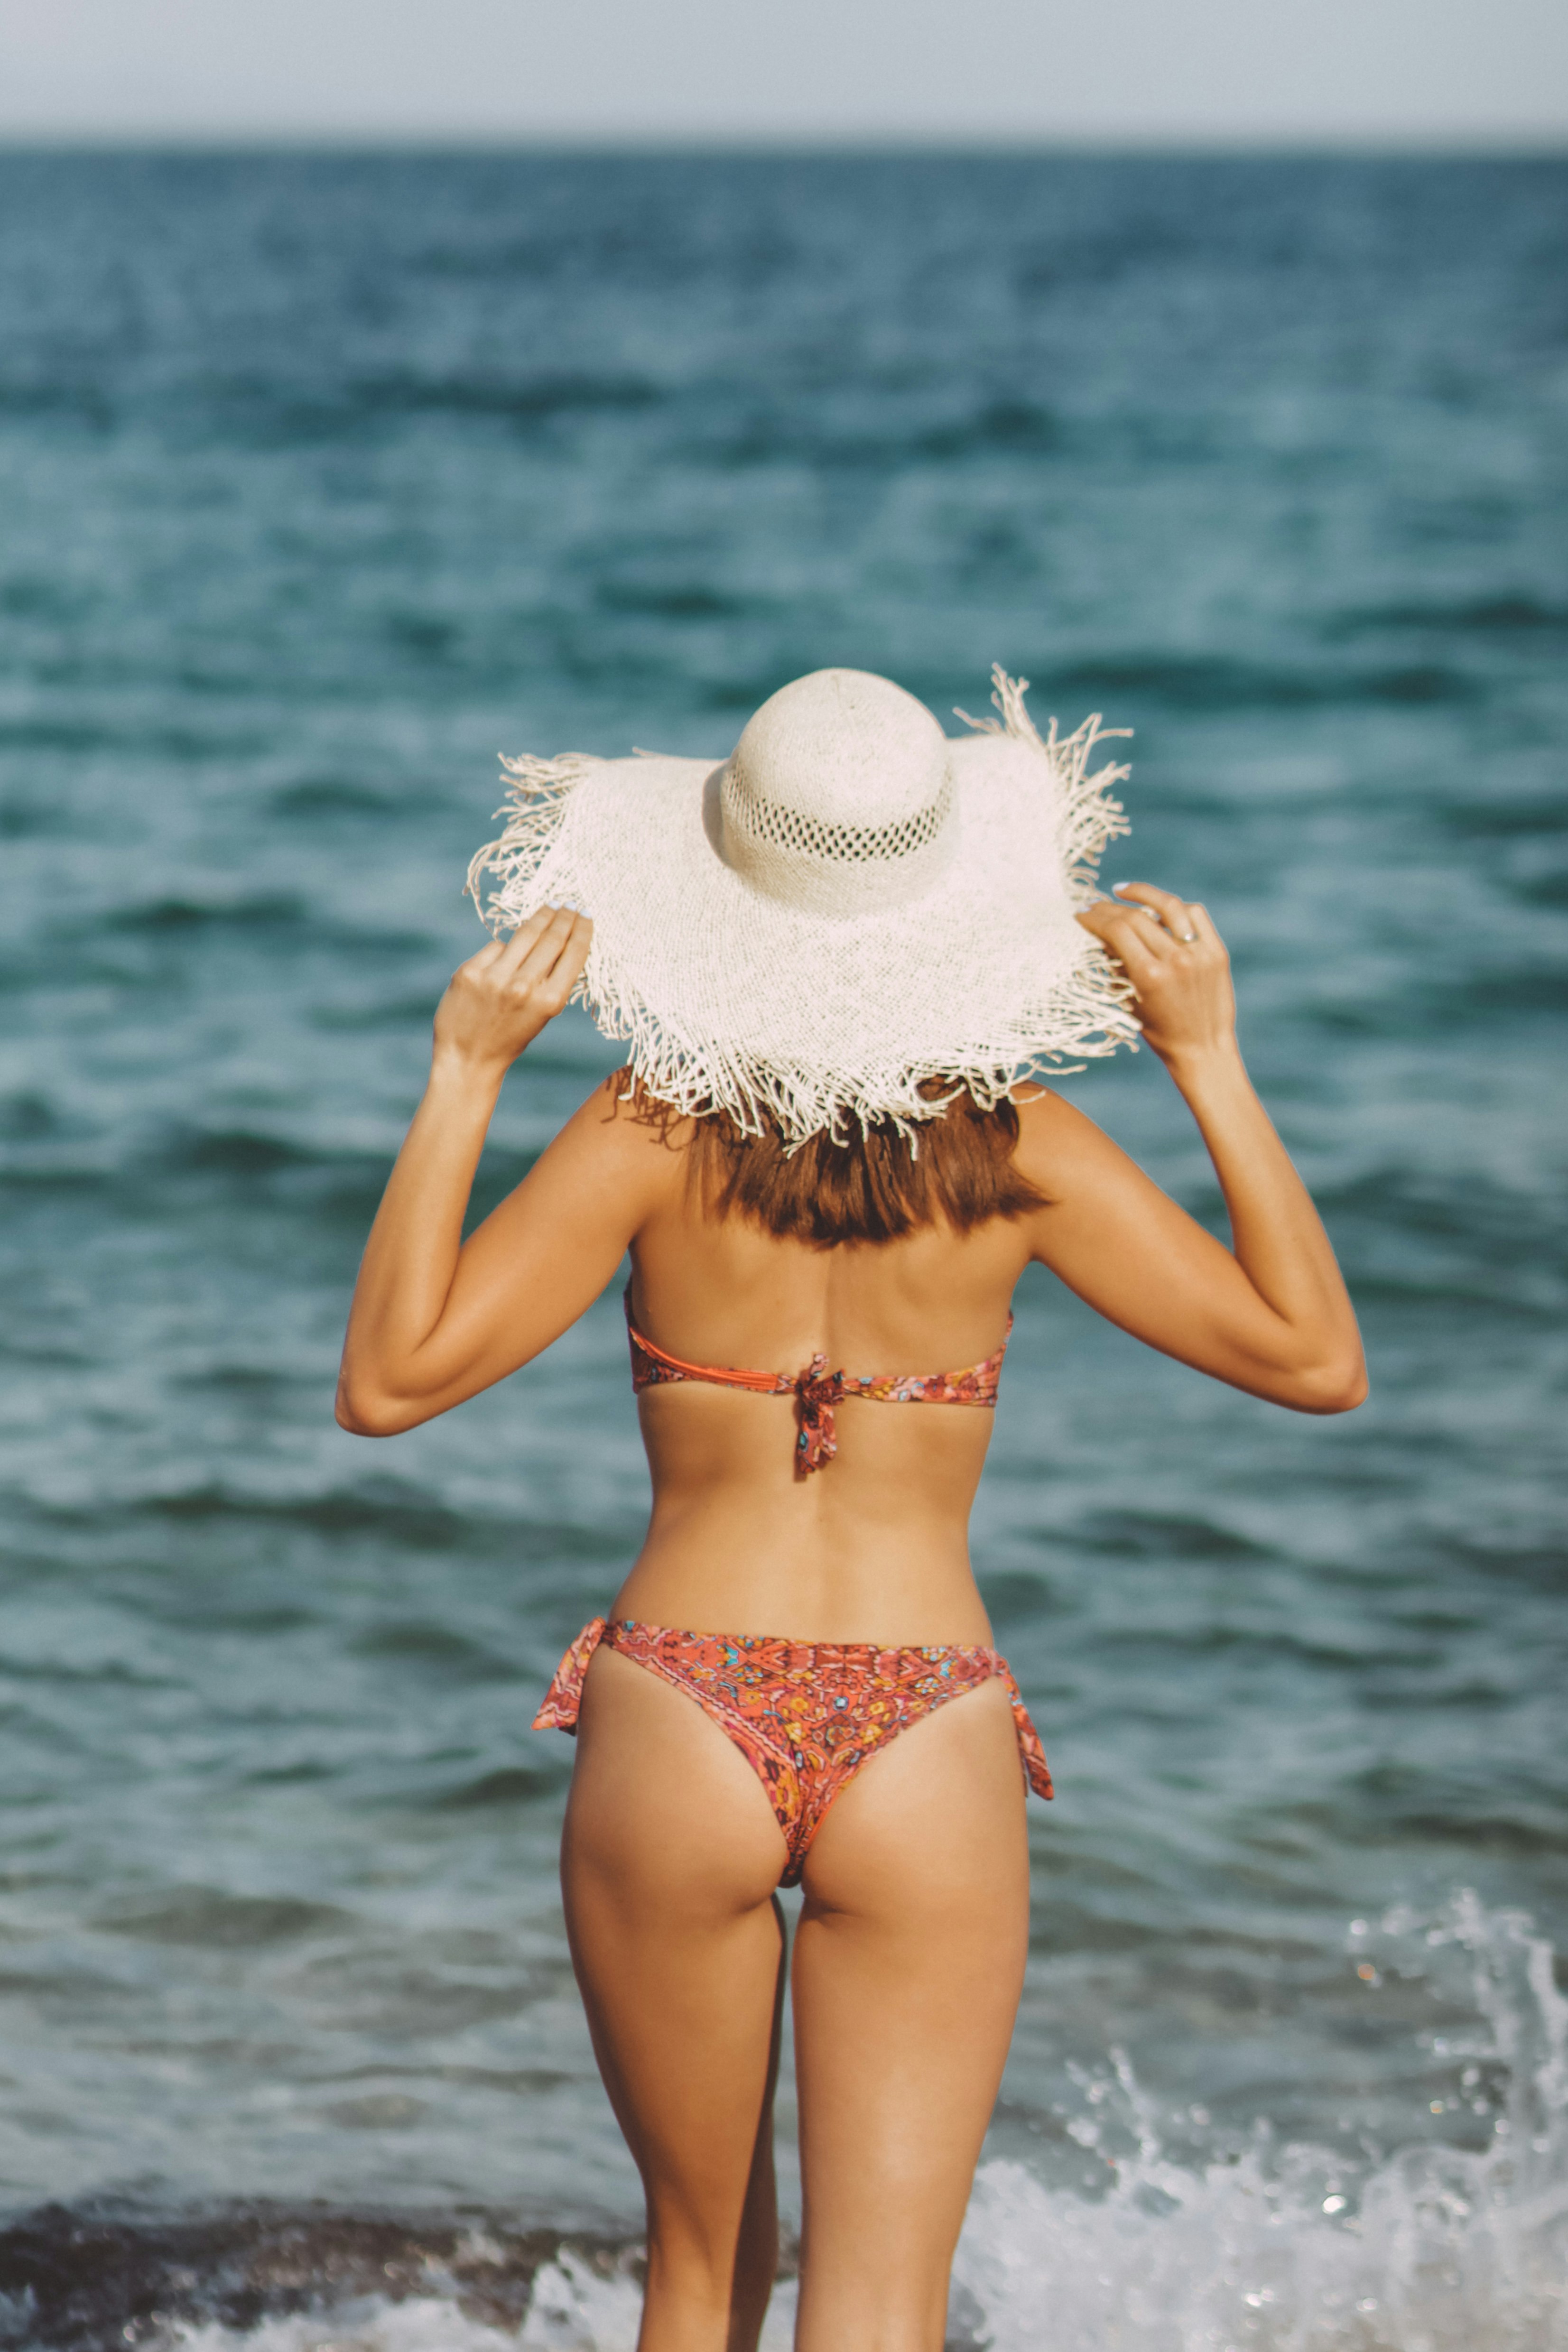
(1131, 942)
(526, 937)
(1176, 961)
(502, 998)
(552, 970)
(1173, 913)
(528, 958)
(483, 958)
(1151, 896)
(569, 964)
(538, 955)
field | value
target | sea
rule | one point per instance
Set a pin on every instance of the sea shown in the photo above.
(325, 478)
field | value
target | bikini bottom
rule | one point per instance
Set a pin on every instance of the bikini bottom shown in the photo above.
(805, 1714)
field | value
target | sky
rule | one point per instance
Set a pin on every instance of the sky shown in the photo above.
(1472, 73)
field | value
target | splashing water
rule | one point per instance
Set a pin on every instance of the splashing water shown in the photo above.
(1435, 2245)
(572, 2311)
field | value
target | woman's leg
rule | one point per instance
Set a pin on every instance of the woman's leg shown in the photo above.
(909, 1963)
(668, 1866)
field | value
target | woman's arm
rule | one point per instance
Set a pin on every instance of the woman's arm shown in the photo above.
(435, 1318)
(1269, 1314)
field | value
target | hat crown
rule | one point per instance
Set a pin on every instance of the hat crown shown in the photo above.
(837, 799)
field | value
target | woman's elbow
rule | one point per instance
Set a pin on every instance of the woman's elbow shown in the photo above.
(1335, 1386)
(366, 1413)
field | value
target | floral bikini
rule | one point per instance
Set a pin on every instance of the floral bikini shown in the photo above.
(805, 1715)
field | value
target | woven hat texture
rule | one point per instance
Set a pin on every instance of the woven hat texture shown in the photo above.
(850, 906)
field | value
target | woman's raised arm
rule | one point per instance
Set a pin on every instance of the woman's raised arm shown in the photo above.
(436, 1318)
(1269, 1314)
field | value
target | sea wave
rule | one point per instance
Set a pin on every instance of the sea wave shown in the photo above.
(1453, 2238)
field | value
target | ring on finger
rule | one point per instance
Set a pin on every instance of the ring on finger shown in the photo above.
(1188, 938)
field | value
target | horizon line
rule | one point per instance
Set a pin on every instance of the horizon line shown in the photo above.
(1435, 145)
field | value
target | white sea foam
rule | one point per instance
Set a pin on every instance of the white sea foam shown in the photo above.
(1432, 2247)
(575, 2307)
(574, 2311)
(371, 2324)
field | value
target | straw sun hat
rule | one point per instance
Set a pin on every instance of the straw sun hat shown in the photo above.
(847, 907)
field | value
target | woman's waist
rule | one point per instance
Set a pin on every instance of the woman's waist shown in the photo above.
(756, 1581)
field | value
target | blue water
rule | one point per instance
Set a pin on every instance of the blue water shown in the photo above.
(321, 481)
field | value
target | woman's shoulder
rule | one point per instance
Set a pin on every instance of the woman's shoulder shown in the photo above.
(617, 1131)
(1042, 1111)
(1057, 1141)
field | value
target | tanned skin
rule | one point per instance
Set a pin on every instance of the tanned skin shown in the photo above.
(908, 1956)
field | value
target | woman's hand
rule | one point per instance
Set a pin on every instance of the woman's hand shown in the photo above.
(498, 1001)
(1269, 1314)
(1176, 961)
(435, 1318)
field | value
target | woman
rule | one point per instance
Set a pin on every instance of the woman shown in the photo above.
(834, 955)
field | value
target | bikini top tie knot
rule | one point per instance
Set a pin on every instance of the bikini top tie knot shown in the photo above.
(817, 1392)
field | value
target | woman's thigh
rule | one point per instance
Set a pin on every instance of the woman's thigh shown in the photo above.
(669, 1861)
(908, 1967)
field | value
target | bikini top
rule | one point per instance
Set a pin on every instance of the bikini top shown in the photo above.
(816, 1390)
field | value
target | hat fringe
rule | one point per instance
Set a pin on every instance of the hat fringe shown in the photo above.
(1091, 819)
(536, 797)
(1088, 1011)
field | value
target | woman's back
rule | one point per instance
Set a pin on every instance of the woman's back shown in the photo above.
(873, 1546)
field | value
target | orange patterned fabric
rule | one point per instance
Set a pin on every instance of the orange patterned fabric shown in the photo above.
(816, 1390)
(805, 1715)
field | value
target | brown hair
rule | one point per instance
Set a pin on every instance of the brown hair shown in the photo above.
(873, 1188)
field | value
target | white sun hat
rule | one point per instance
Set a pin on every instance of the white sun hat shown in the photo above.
(850, 907)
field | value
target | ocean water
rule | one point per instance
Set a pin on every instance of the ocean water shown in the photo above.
(322, 481)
